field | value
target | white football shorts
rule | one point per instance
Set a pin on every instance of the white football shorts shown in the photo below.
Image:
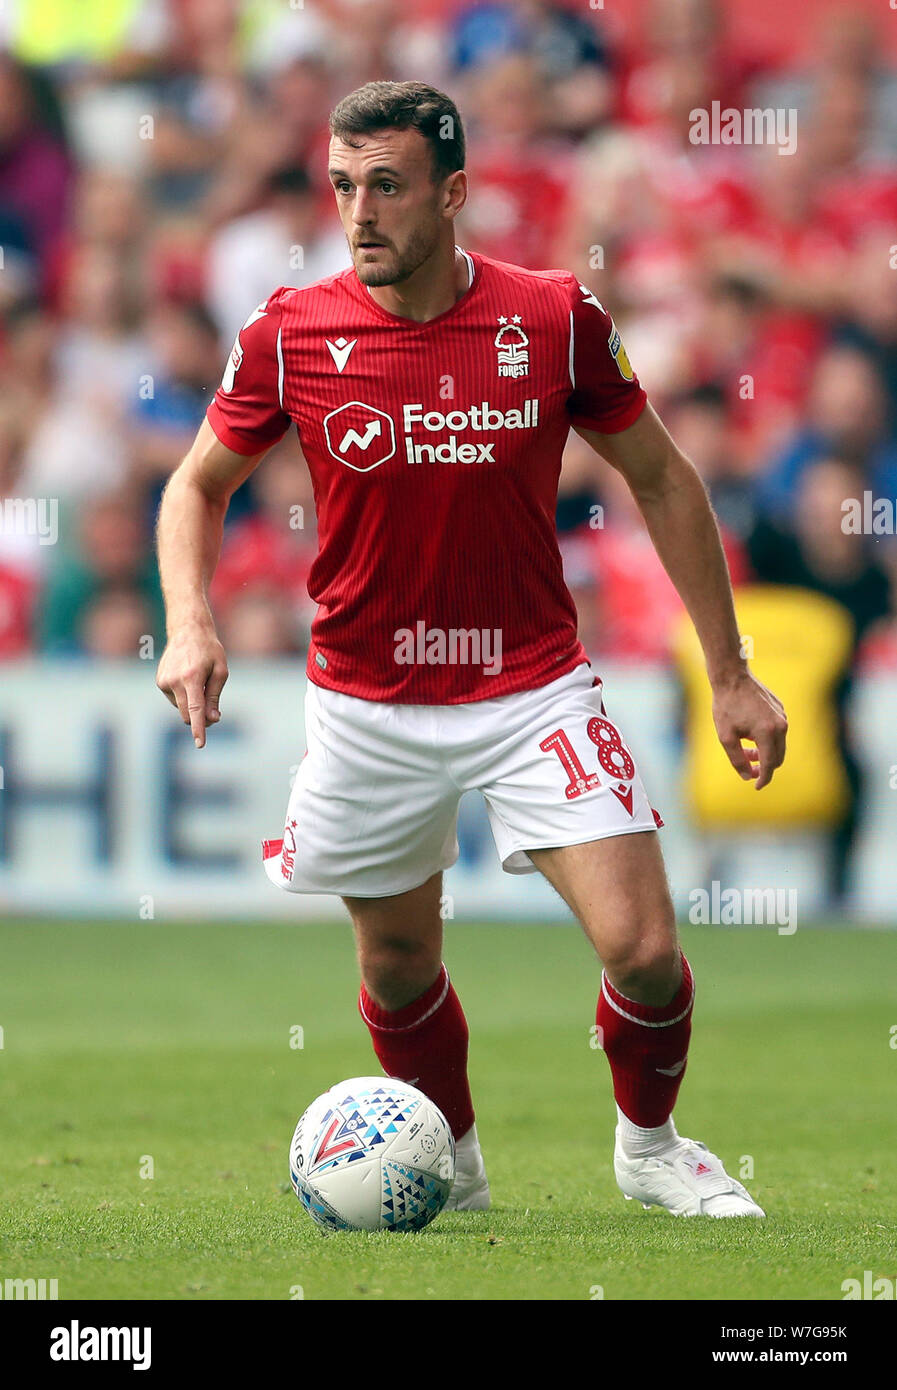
(373, 809)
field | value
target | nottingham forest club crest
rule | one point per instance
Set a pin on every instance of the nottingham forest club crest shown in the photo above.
(511, 344)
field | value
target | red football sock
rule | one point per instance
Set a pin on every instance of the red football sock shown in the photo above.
(425, 1044)
(647, 1048)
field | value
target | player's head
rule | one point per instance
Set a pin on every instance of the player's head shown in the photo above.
(397, 169)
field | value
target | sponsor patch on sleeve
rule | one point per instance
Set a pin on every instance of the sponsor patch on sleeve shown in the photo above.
(618, 353)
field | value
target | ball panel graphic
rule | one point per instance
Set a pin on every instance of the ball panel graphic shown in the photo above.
(372, 1154)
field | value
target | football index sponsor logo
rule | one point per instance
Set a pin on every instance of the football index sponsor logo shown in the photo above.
(77, 1343)
(483, 418)
(360, 436)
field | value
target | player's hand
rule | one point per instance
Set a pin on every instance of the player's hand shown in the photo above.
(745, 709)
(191, 674)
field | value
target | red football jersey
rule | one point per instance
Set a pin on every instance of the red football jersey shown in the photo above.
(434, 450)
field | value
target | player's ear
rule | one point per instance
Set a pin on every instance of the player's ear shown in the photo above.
(454, 193)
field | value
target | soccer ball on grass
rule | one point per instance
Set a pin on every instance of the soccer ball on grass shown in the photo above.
(372, 1154)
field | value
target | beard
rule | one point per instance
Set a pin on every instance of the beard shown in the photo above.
(399, 266)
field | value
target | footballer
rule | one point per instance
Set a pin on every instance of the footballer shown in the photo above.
(433, 390)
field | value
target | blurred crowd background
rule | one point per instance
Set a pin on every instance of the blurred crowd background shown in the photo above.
(162, 168)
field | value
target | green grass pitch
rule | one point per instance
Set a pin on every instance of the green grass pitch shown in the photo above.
(172, 1042)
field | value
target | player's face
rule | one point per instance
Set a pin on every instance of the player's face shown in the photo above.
(393, 213)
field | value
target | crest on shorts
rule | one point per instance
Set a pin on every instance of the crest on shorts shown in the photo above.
(512, 344)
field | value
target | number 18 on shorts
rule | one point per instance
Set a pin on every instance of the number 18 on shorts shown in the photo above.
(374, 807)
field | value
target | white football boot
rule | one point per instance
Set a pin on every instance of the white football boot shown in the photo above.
(470, 1190)
(686, 1179)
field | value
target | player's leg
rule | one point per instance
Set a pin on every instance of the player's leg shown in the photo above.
(399, 943)
(372, 817)
(555, 772)
(617, 888)
(415, 1019)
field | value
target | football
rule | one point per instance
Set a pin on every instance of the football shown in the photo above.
(372, 1154)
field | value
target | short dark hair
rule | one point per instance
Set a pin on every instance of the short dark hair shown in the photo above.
(404, 106)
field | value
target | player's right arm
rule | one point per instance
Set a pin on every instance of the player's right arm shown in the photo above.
(193, 668)
(244, 420)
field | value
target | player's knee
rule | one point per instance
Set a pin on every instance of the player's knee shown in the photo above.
(395, 973)
(648, 970)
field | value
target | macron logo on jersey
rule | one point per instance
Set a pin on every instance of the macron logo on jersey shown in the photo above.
(589, 298)
(340, 350)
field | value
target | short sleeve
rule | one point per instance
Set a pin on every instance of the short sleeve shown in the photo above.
(606, 395)
(247, 413)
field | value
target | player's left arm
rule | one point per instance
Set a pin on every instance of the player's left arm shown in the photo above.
(674, 503)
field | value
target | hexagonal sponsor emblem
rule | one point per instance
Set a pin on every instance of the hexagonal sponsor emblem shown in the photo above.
(360, 436)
